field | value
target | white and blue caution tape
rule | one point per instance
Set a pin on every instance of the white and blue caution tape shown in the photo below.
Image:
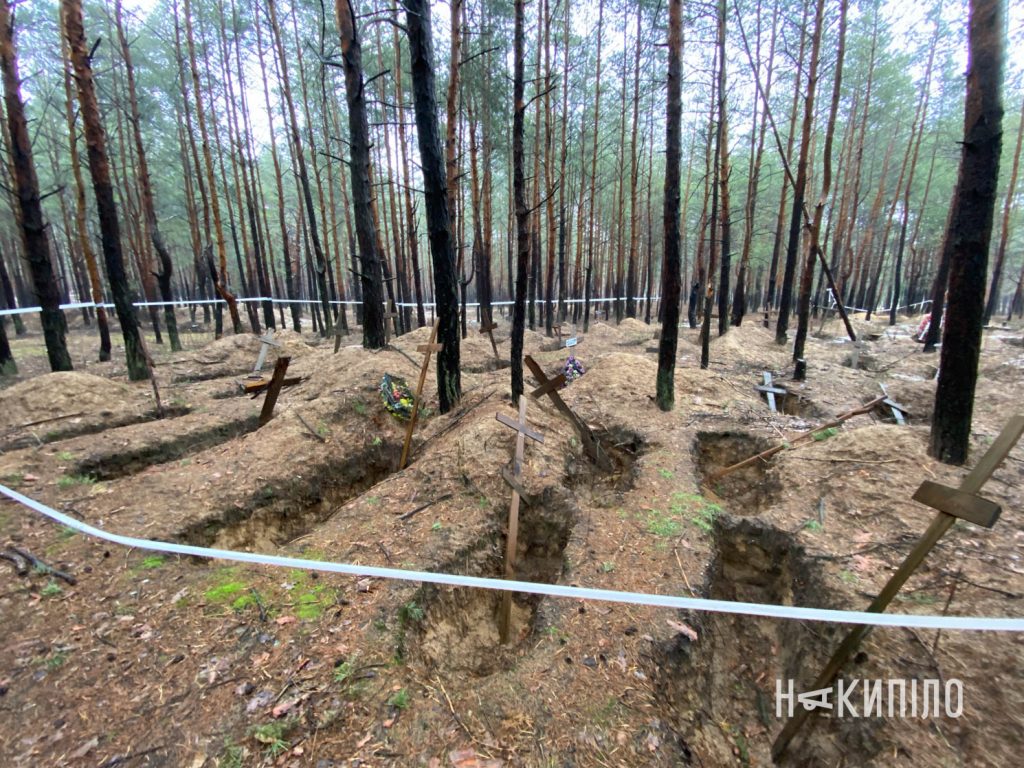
(975, 623)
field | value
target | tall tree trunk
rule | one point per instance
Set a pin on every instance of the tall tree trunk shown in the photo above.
(84, 242)
(723, 151)
(146, 190)
(320, 267)
(670, 270)
(1004, 232)
(99, 168)
(814, 252)
(410, 213)
(439, 230)
(519, 187)
(593, 174)
(29, 204)
(218, 230)
(631, 273)
(970, 230)
(800, 183)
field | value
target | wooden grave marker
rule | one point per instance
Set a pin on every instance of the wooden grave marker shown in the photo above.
(390, 314)
(550, 387)
(338, 333)
(522, 432)
(558, 331)
(266, 342)
(274, 389)
(427, 349)
(770, 391)
(952, 504)
(489, 327)
(899, 412)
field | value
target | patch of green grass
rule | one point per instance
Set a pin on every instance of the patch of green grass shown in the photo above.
(68, 481)
(825, 434)
(15, 478)
(919, 598)
(377, 442)
(224, 592)
(373, 500)
(483, 502)
(607, 567)
(309, 606)
(56, 660)
(242, 602)
(324, 431)
(359, 407)
(813, 526)
(668, 474)
(411, 612)
(272, 735)
(399, 699)
(66, 533)
(343, 672)
(703, 513)
(152, 562)
(436, 526)
(662, 524)
(185, 462)
(65, 456)
(849, 577)
(52, 589)
(233, 755)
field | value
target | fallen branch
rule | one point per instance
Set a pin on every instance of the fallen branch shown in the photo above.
(20, 564)
(44, 567)
(43, 421)
(420, 508)
(866, 408)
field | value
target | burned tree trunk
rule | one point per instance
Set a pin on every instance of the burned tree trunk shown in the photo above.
(359, 139)
(970, 229)
(439, 230)
(99, 168)
(30, 209)
(671, 268)
(522, 214)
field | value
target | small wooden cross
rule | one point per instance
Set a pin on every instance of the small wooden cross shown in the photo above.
(952, 504)
(426, 349)
(274, 389)
(899, 412)
(558, 330)
(266, 342)
(392, 316)
(550, 387)
(488, 328)
(771, 391)
(522, 432)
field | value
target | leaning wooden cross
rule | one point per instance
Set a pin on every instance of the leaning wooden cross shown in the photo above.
(550, 387)
(899, 412)
(266, 342)
(426, 349)
(952, 504)
(274, 389)
(522, 431)
(488, 328)
(390, 314)
(770, 391)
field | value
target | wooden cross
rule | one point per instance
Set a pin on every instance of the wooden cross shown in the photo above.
(266, 342)
(952, 504)
(488, 328)
(858, 347)
(771, 391)
(899, 412)
(550, 387)
(392, 316)
(558, 329)
(274, 389)
(522, 432)
(338, 333)
(426, 349)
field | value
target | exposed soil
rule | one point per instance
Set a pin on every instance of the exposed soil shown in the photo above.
(149, 660)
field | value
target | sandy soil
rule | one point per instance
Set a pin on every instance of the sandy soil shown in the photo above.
(150, 660)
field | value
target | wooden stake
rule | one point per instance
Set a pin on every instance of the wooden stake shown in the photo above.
(866, 408)
(488, 328)
(276, 382)
(943, 521)
(522, 432)
(427, 349)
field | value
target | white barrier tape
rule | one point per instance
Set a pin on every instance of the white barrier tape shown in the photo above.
(258, 299)
(551, 590)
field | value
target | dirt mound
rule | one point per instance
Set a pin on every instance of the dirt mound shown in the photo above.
(62, 394)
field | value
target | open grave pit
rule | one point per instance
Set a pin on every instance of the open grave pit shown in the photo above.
(745, 491)
(599, 487)
(457, 630)
(719, 691)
